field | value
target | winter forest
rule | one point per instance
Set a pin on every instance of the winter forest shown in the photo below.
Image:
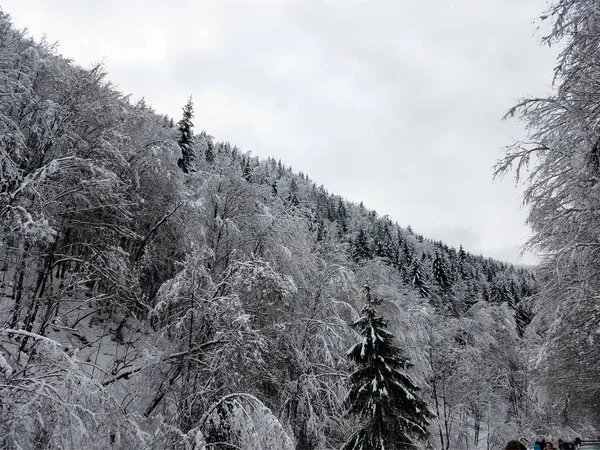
(163, 290)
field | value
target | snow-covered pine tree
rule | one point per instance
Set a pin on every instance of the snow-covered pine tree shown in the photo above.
(418, 278)
(186, 137)
(440, 273)
(247, 170)
(360, 247)
(381, 393)
(342, 218)
(209, 153)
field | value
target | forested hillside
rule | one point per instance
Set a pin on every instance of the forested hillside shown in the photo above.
(163, 290)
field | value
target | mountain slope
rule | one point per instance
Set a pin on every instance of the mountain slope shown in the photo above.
(145, 306)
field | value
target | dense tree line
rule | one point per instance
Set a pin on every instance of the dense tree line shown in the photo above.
(159, 289)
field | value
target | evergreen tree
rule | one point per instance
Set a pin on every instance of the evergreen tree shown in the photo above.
(360, 247)
(209, 154)
(342, 218)
(383, 244)
(485, 294)
(381, 393)
(407, 252)
(186, 137)
(419, 278)
(523, 317)
(462, 255)
(247, 170)
(321, 232)
(395, 251)
(292, 197)
(440, 273)
(463, 261)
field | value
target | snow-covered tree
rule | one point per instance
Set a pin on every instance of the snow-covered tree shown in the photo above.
(240, 420)
(186, 137)
(418, 278)
(559, 164)
(440, 273)
(361, 249)
(381, 393)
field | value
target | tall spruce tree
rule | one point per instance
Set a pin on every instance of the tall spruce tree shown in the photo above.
(342, 218)
(247, 170)
(186, 137)
(381, 393)
(440, 273)
(360, 247)
(418, 278)
(209, 153)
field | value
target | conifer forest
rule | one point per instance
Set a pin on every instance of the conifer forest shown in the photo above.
(160, 289)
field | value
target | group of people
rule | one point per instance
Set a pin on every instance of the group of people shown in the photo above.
(543, 445)
(516, 445)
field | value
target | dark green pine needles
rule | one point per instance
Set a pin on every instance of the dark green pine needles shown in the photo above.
(381, 393)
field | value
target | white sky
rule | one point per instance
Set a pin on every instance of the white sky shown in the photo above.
(396, 103)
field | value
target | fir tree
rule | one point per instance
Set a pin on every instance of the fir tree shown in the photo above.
(186, 137)
(383, 244)
(407, 253)
(342, 218)
(462, 255)
(485, 294)
(381, 393)
(209, 154)
(523, 317)
(360, 247)
(292, 197)
(418, 278)
(463, 260)
(321, 231)
(440, 273)
(395, 251)
(247, 170)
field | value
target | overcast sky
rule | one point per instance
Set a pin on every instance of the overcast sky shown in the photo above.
(395, 103)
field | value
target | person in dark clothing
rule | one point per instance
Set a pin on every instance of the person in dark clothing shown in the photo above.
(515, 445)
(562, 445)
